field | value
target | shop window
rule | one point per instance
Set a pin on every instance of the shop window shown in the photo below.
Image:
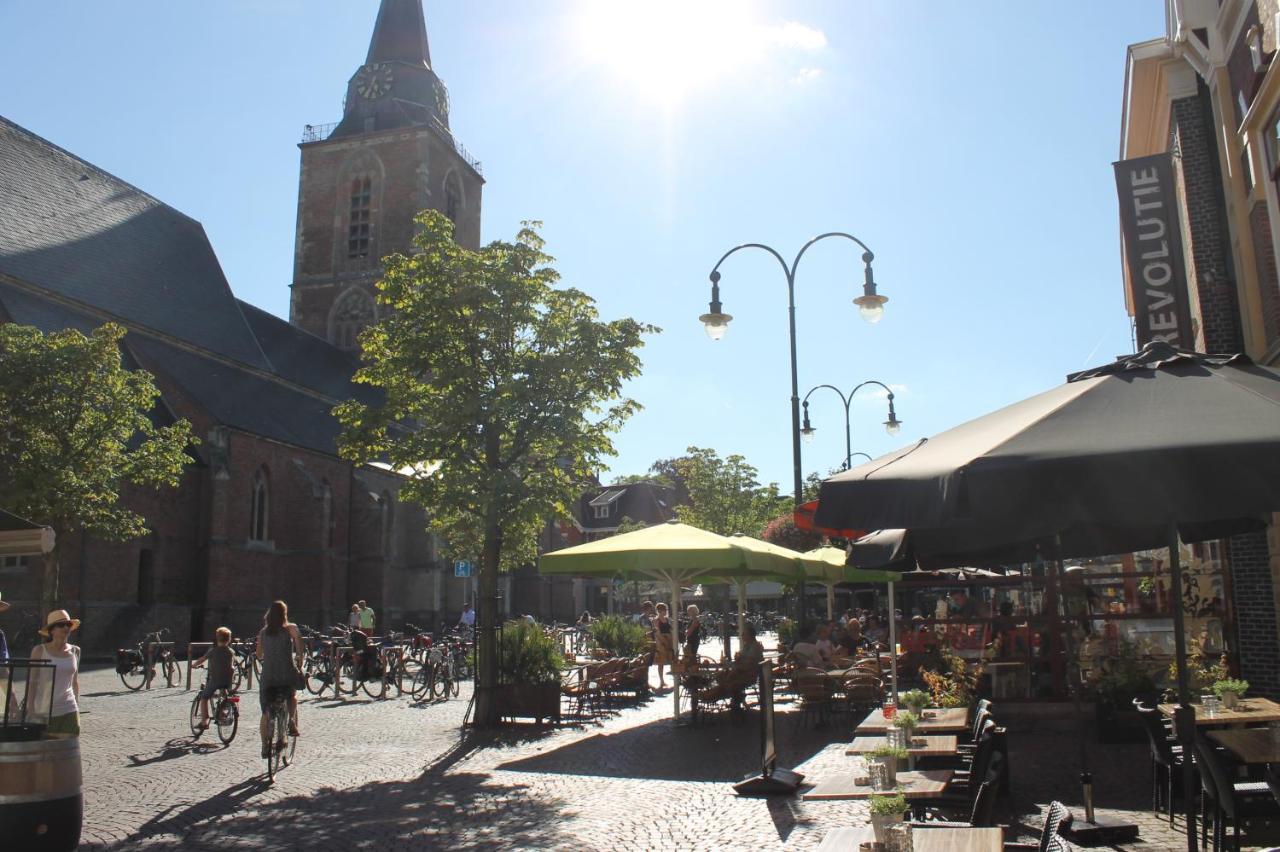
(13, 564)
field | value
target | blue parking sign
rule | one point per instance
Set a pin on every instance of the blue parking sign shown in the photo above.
(462, 568)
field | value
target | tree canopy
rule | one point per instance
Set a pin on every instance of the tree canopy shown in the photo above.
(508, 386)
(724, 494)
(75, 428)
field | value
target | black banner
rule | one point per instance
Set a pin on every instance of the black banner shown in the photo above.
(1153, 250)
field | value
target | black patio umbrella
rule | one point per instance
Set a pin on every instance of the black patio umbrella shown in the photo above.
(1120, 458)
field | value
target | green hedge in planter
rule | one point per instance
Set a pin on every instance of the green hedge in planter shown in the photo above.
(619, 637)
(527, 655)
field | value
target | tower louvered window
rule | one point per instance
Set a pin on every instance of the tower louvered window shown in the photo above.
(359, 224)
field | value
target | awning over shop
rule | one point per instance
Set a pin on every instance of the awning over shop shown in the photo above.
(19, 537)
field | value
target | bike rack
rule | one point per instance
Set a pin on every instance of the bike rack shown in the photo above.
(191, 649)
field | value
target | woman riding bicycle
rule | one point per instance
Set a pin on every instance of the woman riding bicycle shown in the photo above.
(280, 667)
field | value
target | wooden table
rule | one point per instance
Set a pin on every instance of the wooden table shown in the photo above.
(1248, 711)
(929, 784)
(935, 745)
(1249, 745)
(922, 839)
(942, 721)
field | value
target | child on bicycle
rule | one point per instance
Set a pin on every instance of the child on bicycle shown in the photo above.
(220, 659)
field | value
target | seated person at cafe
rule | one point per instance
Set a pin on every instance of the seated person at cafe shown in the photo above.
(744, 671)
(807, 653)
(875, 630)
(962, 606)
(826, 647)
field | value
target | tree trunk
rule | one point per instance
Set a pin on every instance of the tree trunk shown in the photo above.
(49, 583)
(486, 638)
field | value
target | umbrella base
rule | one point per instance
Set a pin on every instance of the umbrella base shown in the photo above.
(1103, 831)
(780, 782)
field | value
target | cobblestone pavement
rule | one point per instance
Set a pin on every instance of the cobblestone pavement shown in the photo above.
(394, 775)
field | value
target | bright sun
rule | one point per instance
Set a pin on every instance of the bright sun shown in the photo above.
(667, 49)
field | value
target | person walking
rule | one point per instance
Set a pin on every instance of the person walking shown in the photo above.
(353, 619)
(367, 618)
(281, 650)
(664, 644)
(64, 721)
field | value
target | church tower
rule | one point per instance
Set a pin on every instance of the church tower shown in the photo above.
(365, 178)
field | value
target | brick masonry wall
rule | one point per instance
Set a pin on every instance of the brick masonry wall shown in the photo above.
(1254, 603)
(1205, 222)
(410, 169)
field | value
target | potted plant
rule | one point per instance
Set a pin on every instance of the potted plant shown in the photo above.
(529, 666)
(1147, 595)
(786, 634)
(889, 757)
(886, 810)
(907, 722)
(618, 637)
(1230, 691)
(1120, 680)
(914, 700)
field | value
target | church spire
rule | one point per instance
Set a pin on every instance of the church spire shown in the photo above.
(400, 35)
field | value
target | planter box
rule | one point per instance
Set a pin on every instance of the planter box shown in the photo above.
(529, 701)
(1118, 723)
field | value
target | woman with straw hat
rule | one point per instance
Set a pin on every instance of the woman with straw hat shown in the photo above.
(58, 626)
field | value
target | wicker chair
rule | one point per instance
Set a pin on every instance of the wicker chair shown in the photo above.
(1166, 759)
(814, 688)
(1234, 801)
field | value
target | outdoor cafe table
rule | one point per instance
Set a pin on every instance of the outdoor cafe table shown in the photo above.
(936, 745)
(922, 839)
(945, 720)
(1249, 745)
(927, 784)
(1248, 711)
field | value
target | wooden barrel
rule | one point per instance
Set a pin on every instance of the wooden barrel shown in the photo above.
(41, 795)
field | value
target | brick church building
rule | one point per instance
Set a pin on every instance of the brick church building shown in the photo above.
(266, 509)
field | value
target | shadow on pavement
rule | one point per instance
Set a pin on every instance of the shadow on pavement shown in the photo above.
(719, 750)
(174, 748)
(461, 811)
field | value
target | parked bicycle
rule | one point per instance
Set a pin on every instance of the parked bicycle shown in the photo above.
(280, 744)
(246, 669)
(321, 668)
(137, 665)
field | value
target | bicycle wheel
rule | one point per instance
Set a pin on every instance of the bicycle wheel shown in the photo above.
(283, 748)
(172, 673)
(134, 678)
(195, 716)
(375, 687)
(455, 685)
(237, 674)
(228, 720)
(314, 671)
(444, 674)
(422, 683)
(349, 680)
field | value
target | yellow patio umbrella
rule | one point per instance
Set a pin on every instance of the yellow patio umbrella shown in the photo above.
(672, 552)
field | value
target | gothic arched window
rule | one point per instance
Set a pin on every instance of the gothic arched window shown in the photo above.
(359, 217)
(452, 198)
(388, 523)
(351, 313)
(258, 510)
(326, 515)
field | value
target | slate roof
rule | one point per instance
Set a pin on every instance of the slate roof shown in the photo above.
(86, 244)
(74, 229)
(305, 359)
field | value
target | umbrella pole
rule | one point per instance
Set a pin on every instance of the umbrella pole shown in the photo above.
(893, 645)
(1184, 717)
(742, 612)
(675, 645)
(831, 601)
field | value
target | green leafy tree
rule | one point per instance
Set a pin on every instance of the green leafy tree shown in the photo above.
(75, 429)
(725, 496)
(500, 390)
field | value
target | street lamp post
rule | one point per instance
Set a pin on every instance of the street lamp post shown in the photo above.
(870, 305)
(891, 425)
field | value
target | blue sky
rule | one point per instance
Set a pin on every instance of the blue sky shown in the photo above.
(970, 145)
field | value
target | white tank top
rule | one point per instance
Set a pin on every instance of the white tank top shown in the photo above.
(64, 696)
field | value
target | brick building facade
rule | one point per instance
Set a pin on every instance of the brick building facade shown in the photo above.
(266, 509)
(1208, 92)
